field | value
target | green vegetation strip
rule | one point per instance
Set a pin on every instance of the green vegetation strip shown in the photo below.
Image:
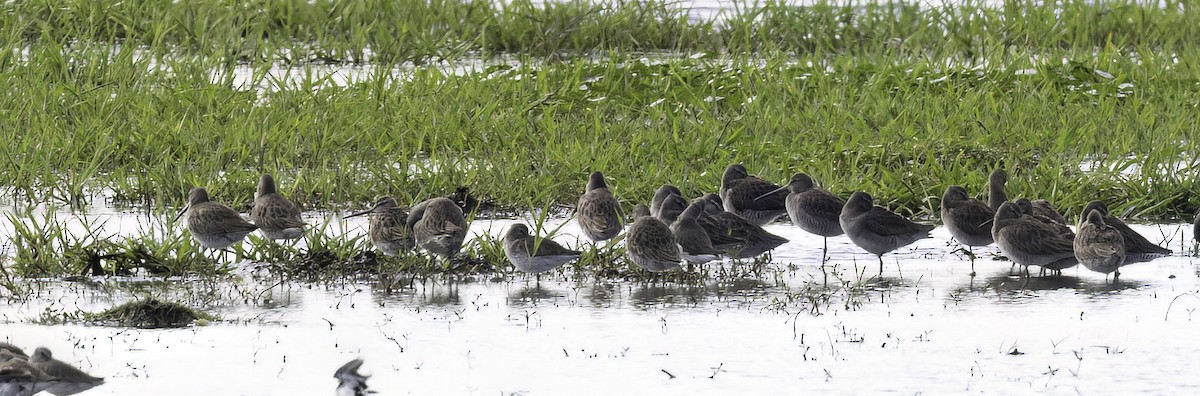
(145, 99)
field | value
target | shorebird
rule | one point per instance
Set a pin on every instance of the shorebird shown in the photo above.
(967, 219)
(388, 226)
(640, 210)
(350, 382)
(275, 216)
(750, 239)
(214, 225)
(598, 212)
(1099, 246)
(996, 195)
(696, 246)
(71, 379)
(1137, 248)
(19, 378)
(1196, 228)
(876, 229)
(670, 208)
(438, 226)
(660, 195)
(650, 245)
(751, 197)
(1028, 241)
(532, 254)
(1043, 208)
(813, 209)
(15, 350)
(1025, 207)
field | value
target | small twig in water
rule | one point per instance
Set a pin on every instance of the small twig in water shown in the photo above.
(668, 373)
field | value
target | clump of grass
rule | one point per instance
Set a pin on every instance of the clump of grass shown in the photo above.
(148, 314)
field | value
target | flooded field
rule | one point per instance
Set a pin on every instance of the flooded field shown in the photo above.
(925, 327)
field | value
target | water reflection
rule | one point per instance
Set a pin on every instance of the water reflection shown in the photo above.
(531, 295)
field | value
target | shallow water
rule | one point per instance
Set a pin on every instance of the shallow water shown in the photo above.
(926, 327)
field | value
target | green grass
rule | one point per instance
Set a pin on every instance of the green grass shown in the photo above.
(140, 98)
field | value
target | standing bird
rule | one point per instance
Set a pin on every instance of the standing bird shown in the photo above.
(640, 210)
(1137, 247)
(967, 219)
(1028, 241)
(275, 216)
(660, 195)
(71, 379)
(754, 199)
(214, 225)
(1098, 246)
(996, 195)
(650, 245)
(696, 246)
(876, 229)
(598, 212)
(670, 208)
(350, 382)
(1043, 208)
(1026, 207)
(532, 254)
(438, 226)
(388, 227)
(813, 209)
(751, 239)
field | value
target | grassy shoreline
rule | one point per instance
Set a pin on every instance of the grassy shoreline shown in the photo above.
(139, 98)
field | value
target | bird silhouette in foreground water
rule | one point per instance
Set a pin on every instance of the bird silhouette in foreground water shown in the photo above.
(1099, 246)
(350, 382)
(532, 254)
(1137, 248)
(388, 226)
(813, 209)
(876, 229)
(650, 245)
(19, 378)
(438, 226)
(1028, 241)
(214, 225)
(275, 216)
(751, 239)
(967, 219)
(598, 212)
(71, 379)
(695, 245)
(753, 199)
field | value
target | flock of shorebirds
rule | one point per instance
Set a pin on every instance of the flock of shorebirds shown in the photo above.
(672, 230)
(23, 375)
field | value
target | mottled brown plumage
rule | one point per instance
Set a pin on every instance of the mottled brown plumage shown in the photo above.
(275, 216)
(214, 225)
(1137, 247)
(692, 239)
(651, 246)
(660, 195)
(388, 227)
(1099, 246)
(598, 212)
(438, 226)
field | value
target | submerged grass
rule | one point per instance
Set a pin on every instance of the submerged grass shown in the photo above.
(141, 100)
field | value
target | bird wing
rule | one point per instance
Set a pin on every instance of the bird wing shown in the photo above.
(885, 223)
